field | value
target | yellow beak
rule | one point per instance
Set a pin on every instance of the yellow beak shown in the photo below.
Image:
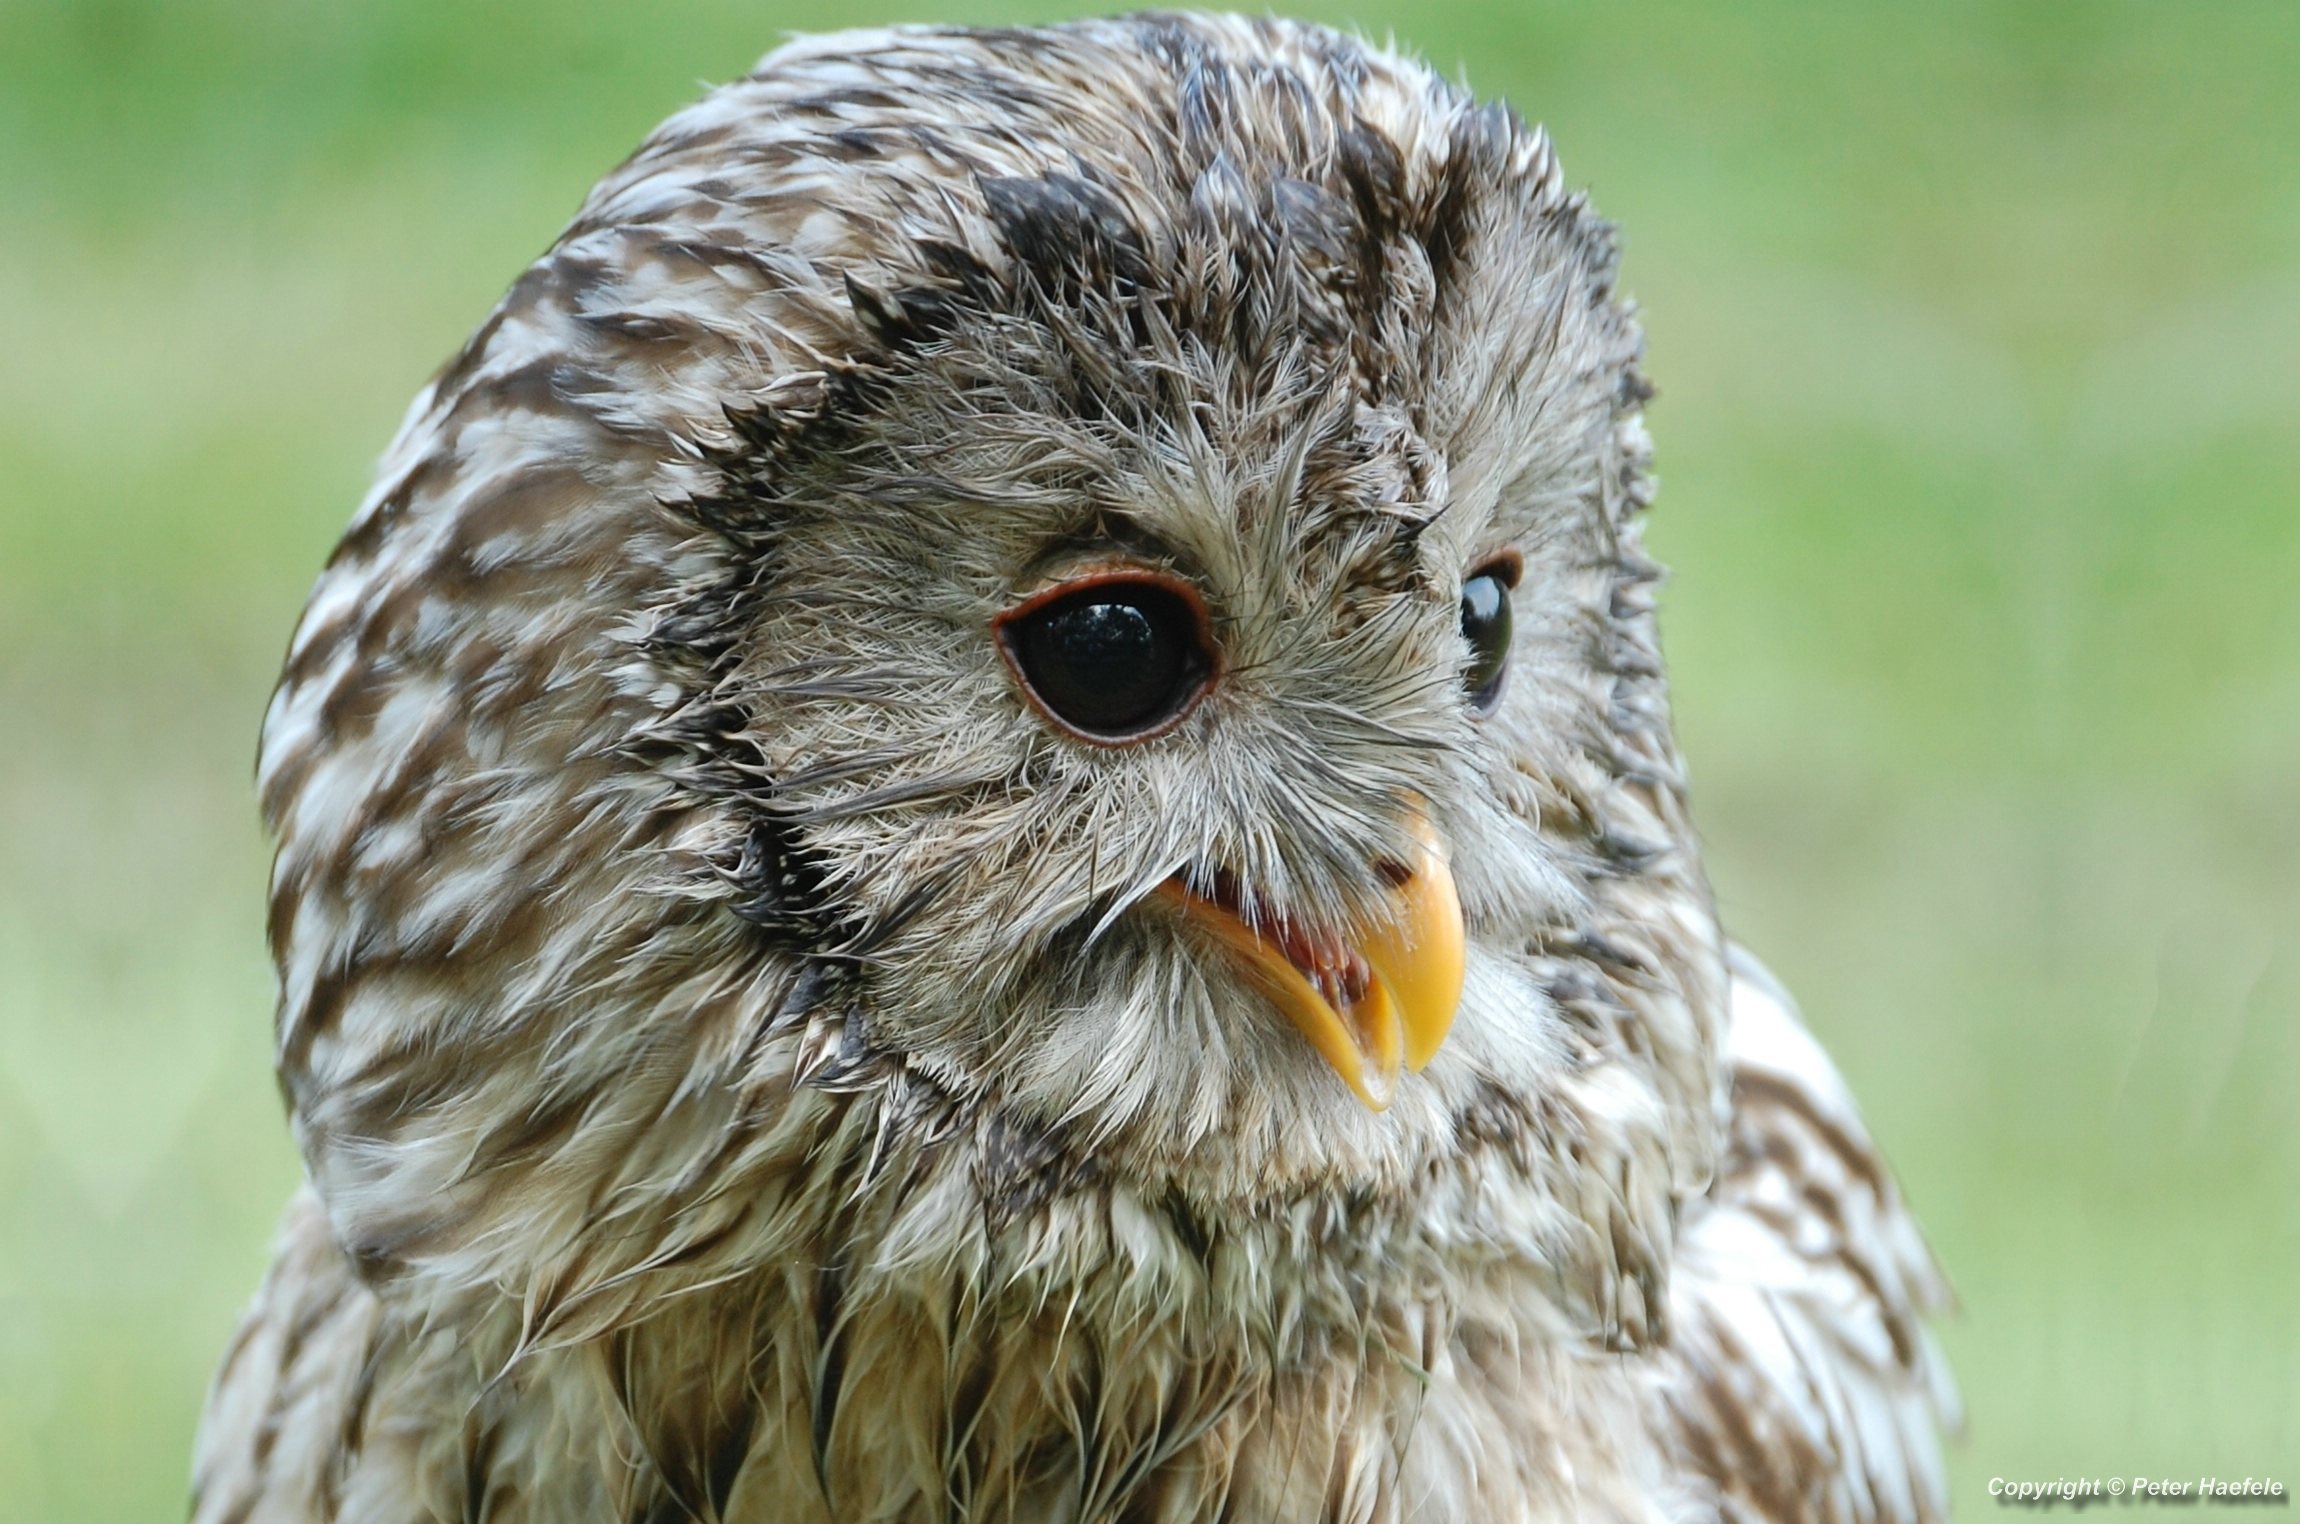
(1374, 999)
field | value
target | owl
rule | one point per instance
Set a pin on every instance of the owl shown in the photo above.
(982, 826)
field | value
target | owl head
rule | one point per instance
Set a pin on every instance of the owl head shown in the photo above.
(1005, 617)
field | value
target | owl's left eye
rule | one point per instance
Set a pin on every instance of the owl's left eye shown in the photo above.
(1486, 626)
(1111, 657)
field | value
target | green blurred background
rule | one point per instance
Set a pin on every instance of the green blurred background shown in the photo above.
(1978, 335)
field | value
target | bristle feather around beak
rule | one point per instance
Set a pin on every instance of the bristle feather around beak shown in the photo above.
(1372, 1000)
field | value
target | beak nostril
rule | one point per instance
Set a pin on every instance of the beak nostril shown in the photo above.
(1394, 873)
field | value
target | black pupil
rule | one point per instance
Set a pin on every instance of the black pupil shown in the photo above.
(1485, 625)
(1113, 660)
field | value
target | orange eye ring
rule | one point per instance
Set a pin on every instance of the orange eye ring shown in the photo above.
(1112, 656)
(1507, 564)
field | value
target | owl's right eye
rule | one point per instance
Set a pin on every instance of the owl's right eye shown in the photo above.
(1111, 657)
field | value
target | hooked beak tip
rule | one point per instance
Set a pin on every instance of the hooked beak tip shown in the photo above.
(1380, 999)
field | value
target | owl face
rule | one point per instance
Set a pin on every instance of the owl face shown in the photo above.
(1140, 686)
(1145, 758)
(1078, 584)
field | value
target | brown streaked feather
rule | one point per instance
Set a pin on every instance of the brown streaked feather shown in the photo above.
(1804, 1381)
(737, 1072)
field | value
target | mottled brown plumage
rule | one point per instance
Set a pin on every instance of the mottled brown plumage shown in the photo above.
(744, 1068)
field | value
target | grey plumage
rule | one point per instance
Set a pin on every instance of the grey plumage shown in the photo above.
(744, 1065)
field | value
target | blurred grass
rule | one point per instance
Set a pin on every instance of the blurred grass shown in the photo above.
(1978, 333)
